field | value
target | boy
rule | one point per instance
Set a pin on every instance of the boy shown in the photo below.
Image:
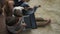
(14, 23)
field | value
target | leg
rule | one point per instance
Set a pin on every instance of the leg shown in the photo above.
(33, 21)
(42, 22)
(27, 21)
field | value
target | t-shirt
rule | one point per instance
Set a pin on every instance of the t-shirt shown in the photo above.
(15, 28)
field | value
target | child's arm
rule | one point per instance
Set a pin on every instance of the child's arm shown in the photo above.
(35, 7)
(31, 10)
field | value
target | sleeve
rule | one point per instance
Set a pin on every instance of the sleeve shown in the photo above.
(31, 10)
(25, 4)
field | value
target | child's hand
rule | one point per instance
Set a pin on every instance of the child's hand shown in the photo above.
(23, 24)
(37, 6)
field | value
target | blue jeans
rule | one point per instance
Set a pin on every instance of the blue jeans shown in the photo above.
(30, 21)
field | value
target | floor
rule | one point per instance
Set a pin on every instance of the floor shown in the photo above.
(49, 9)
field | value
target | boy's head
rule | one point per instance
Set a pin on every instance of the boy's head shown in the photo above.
(17, 11)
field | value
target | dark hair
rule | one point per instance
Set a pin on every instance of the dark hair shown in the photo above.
(11, 21)
(17, 13)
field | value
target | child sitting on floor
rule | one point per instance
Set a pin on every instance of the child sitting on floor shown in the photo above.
(14, 23)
